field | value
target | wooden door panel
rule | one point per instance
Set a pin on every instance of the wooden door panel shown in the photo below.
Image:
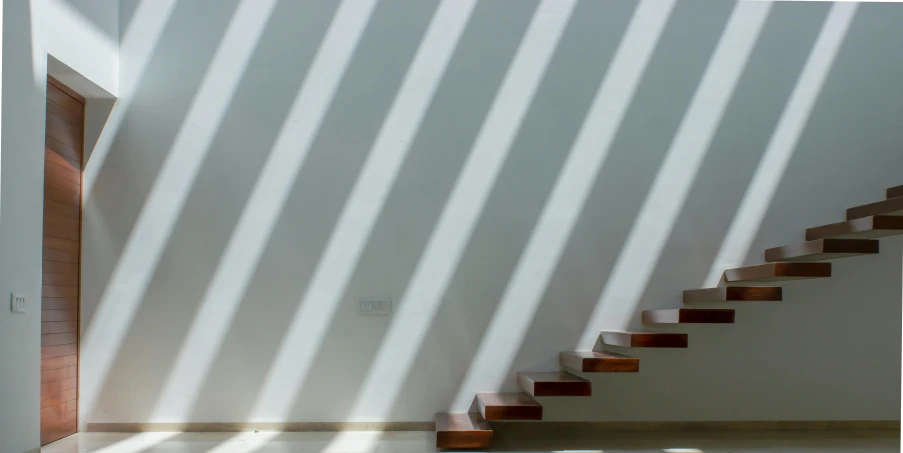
(61, 257)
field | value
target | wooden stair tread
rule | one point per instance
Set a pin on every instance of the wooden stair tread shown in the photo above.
(895, 192)
(508, 406)
(689, 316)
(734, 294)
(822, 249)
(462, 430)
(643, 339)
(770, 272)
(598, 362)
(861, 228)
(554, 383)
(891, 206)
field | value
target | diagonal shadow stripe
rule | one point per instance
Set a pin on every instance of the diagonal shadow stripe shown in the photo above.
(424, 184)
(587, 156)
(398, 349)
(386, 156)
(287, 371)
(323, 187)
(200, 237)
(467, 199)
(488, 152)
(240, 257)
(653, 225)
(127, 285)
(241, 38)
(736, 149)
(793, 119)
(136, 47)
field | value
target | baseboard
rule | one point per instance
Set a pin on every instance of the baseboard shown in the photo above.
(710, 426)
(663, 427)
(202, 427)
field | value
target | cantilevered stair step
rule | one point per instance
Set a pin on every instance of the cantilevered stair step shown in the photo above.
(771, 272)
(598, 362)
(895, 192)
(891, 206)
(555, 383)
(508, 406)
(734, 294)
(862, 228)
(689, 316)
(462, 430)
(643, 339)
(822, 249)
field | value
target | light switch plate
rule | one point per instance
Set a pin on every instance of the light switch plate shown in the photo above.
(376, 306)
(17, 303)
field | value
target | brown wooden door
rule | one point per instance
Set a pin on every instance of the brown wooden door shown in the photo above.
(61, 255)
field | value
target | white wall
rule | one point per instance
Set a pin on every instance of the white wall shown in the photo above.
(258, 188)
(20, 234)
(28, 36)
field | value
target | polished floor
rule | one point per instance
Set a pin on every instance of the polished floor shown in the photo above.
(416, 442)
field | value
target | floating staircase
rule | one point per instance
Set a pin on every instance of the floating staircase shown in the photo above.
(852, 237)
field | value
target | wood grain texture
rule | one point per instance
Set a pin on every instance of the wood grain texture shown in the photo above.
(61, 177)
(822, 249)
(49, 352)
(59, 362)
(734, 294)
(56, 339)
(777, 272)
(67, 245)
(462, 430)
(61, 254)
(62, 221)
(58, 95)
(508, 406)
(54, 177)
(862, 228)
(59, 291)
(689, 316)
(62, 130)
(58, 315)
(60, 279)
(59, 268)
(57, 303)
(61, 112)
(643, 339)
(895, 192)
(598, 362)
(68, 152)
(62, 195)
(58, 398)
(59, 374)
(63, 209)
(59, 410)
(59, 231)
(54, 387)
(58, 327)
(54, 429)
(79, 99)
(554, 383)
(891, 206)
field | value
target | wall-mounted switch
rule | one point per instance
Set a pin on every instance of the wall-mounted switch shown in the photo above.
(17, 303)
(376, 306)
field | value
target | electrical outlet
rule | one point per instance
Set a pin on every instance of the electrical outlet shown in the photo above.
(17, 303)
(376, 306)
